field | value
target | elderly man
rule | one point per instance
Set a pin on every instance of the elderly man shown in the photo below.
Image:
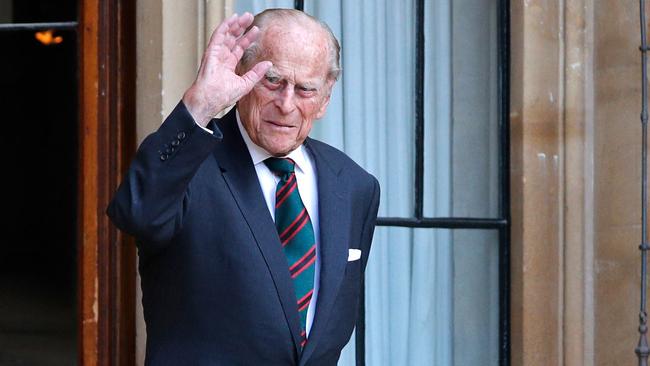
(252, 237)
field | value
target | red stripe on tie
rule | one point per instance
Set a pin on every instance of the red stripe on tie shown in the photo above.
(286, 195)
(311, 261)
(292, 177)
(304, 306)
(295, 232)
(294, 222)
(302, 344)
(292, 233)
(304, 301)
(304, 257)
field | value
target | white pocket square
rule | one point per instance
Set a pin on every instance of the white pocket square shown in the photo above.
(354, 254)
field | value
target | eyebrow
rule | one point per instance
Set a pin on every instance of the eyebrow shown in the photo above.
(272, 72)
(307, 84)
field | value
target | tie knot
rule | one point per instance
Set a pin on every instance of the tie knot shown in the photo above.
(280, 166)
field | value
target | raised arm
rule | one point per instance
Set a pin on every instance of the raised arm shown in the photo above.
(153, 198)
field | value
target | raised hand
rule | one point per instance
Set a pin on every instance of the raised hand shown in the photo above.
(217, 85)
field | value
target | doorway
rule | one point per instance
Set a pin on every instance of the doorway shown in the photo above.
(67, 278)
(38, 250)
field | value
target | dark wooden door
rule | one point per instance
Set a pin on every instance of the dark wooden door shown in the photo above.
(107, 142)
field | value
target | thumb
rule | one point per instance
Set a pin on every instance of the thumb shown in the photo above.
(254, 75)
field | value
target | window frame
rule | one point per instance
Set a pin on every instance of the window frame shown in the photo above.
(502, 222)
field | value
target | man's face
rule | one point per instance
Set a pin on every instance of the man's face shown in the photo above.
(280, 110)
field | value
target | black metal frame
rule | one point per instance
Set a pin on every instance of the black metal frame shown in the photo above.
(503, 93)
(503, 222)
(38, 26)
(642, 350)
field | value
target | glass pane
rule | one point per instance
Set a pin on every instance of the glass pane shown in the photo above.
(461, 126)
(371, 113)
(432, 297)
(476, 297)
(38, 256)
(35, 11)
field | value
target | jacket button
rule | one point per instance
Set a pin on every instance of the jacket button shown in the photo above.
(176, 143)
(163, 157)
(181, 135)
(168, 151)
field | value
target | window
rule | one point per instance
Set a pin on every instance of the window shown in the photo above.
(422, 104)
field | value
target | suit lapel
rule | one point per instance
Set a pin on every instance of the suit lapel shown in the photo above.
(333, 243)
(240, 176)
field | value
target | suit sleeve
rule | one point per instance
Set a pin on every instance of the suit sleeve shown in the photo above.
(153, 197)
(370, 221)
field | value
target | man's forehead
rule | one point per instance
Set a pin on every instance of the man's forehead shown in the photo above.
(295, 51)
(285, 38)
(293, 28)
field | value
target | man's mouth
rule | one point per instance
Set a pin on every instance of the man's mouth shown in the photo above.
(279, 124)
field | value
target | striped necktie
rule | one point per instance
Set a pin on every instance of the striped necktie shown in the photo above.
(296, 235)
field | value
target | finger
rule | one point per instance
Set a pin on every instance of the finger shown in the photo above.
(251, 36)
(230, 42)
(244, 42)
(254, 75)
(225, 26)
(239, 25)
(245, 20)
(236, 29)
(218, 35)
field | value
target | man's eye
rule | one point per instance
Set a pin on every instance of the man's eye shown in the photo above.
(273, 79)
(306, 90)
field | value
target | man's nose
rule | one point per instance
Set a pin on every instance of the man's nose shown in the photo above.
(284, 99)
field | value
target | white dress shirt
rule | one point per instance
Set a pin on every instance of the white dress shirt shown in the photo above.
(308, 188)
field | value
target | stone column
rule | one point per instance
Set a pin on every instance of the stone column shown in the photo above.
(575, 182)
(171, 36)
(578, 210)
(617, 181)
(537, 182)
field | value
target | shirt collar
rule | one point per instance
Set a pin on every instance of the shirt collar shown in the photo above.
(259, 154)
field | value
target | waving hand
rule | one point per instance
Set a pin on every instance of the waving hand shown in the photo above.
(217, 85)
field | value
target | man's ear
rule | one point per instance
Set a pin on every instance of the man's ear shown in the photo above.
(326, 100)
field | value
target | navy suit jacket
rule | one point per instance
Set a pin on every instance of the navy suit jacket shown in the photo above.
(215, 283)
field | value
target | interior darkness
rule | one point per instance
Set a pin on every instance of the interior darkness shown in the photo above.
(37, 11)
(38, 158)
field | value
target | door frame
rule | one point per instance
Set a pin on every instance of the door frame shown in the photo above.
(106, 258)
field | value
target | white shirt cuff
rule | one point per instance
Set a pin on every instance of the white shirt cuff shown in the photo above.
(204, 128)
